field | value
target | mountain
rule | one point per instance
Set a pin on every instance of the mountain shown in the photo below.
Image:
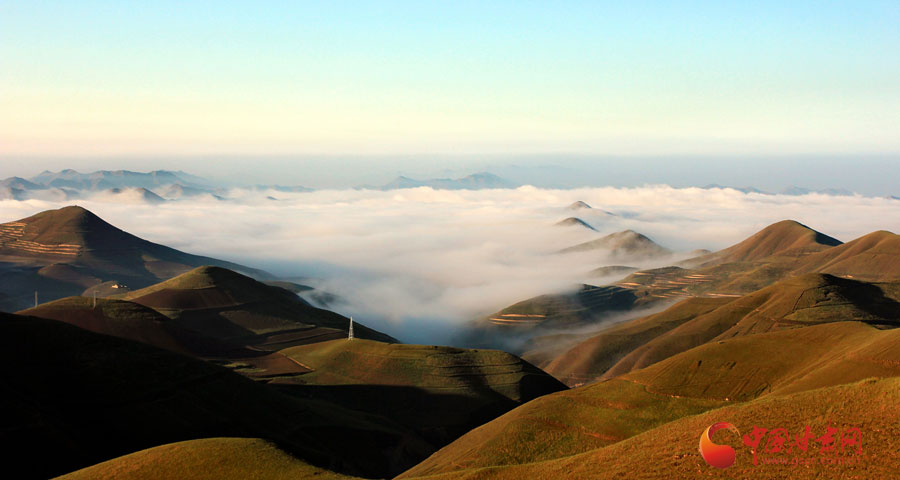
(574, 222)
(89, 398)
(438, 392)
(177, 191)
(476, 181)
(795, 190)
(105, 179)
(724, 373)
(712, 186)
(669, 451)
(588, 360)
(792, 303)
(237, 310)
(134, 194)
(611, 270)
(785, 238)
(511, 328)
(207, 459)
(62, 252)
(579, 205)
(627, 244)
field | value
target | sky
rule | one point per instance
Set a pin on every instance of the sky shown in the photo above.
(86, 79)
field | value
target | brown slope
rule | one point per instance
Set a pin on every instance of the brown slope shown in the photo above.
(874, 257)
(715, 374)
(438, 392)
(796, 302)
(84, 249)
(786, 237)
(625, 244)
(236, 309)
(207, 459)
(669, 452)
(588, 360)
(87, 398)
(117, 318)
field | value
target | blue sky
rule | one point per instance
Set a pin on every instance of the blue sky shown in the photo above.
(260, 78)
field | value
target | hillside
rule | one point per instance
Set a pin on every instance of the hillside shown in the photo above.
(588, 360)
(117, 318)
(88, 398)
(438, 392)
(207, 459)
(785, 238)
(793, 303)
(670, 450)
(236, 309)
(511, 327)
(717, 374)
(574, 222)
(627, 244)
(60, 253)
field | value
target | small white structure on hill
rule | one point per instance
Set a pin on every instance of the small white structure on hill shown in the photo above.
(350, 333)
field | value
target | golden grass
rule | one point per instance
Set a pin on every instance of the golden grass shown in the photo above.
(207, 459)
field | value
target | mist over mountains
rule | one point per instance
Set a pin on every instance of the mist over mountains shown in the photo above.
(418, 262)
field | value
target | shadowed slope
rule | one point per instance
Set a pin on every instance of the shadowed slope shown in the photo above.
(61, 252)
(783, 238)
(439, 392)
(715, 374)
(233, 308)
(874, 257)
(627, 244)
(670, 451)
(208, 458)
(574, 222)
(792, 303)
(118, 318)
(591, 358)
(88, 398)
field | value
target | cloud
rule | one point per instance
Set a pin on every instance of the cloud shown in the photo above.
(418, 263)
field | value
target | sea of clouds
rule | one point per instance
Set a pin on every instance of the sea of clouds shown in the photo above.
(418, 263)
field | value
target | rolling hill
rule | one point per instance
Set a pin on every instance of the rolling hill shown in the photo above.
(626, 245)
(722, 373)
(438, 392)
(60, 253)
(670, 451)
(574, 222)
(88, 398)
(588, 360)
(793, 303)
(238, 310)
(207, 458)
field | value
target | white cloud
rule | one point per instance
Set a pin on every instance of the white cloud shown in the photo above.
(418, 262)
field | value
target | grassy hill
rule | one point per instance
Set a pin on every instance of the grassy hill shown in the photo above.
(439, 392)
(88, 398)
(237, 309)
(785, 238)
(627, 244)
(62, 252)
(118, 318)
(721, 373)
(670, 450)
(591, 358)
(207, 459)
(792, 303)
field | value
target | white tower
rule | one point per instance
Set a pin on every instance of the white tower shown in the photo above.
(350, 335)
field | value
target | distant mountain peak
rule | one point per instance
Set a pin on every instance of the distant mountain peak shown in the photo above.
(574, 222)
(579, 205)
